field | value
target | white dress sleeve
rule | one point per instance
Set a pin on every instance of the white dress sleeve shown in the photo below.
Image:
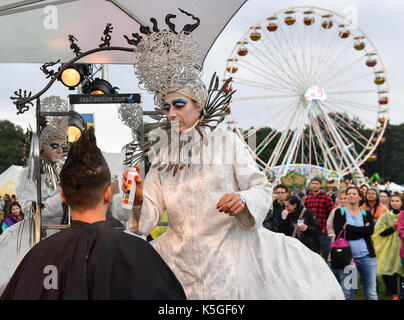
(254, 188)
(26, 192)
(153, 205)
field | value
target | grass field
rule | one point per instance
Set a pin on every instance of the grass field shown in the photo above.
(381, 290)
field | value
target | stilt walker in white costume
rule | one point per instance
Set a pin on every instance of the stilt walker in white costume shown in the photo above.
(214, 193)
(18, 239)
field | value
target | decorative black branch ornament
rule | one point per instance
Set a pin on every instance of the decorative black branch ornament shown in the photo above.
(18, 97)
(188, 28)
(49, 73)
(23, 100)
(76, 49)
(107, 38)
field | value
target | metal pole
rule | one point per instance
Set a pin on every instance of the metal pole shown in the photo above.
(38, 165)
(105, 73)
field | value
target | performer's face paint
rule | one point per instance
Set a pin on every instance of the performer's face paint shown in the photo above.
(53, 151)
(181, 109)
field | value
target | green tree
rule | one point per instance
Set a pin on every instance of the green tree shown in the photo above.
(10, 137)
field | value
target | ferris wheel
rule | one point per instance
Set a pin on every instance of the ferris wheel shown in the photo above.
(313, 89)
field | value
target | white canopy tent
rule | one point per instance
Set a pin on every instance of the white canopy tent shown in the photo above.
(9, 179)
(392, 187)
(36, 31)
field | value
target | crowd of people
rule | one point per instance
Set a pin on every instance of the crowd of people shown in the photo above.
(10, 211)
(372, 222)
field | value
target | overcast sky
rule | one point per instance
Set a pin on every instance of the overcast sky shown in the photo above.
(381, 21)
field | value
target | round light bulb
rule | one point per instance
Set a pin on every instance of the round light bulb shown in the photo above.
(71, 77)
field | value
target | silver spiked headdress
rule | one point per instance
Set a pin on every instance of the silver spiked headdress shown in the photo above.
(165, 62)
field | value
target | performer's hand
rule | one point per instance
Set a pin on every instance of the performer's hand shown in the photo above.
(395, 225)
(139, 188)
(231, 203)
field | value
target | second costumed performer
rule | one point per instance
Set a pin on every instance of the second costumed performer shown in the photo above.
(214, 193)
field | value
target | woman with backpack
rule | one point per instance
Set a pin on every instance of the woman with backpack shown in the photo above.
(299, 222)
(358, 226)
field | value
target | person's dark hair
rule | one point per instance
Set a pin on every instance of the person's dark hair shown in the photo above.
(386, 192)
(364, 185)
(357, 189)
(281, 186)
(10, 207)
(397, 196)
(299, 206)
(7, 197)
(85, 174)
(347, 177)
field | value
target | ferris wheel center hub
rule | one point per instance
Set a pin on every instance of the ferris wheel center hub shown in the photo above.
(315, 93)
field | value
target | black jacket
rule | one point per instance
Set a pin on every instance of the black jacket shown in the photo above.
(306, 237)
(93, 262)
(356, 233)
(274, 217)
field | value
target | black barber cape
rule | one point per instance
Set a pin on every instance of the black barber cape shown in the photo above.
(93, 261)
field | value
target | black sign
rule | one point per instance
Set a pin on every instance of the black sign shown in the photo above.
(104, 98)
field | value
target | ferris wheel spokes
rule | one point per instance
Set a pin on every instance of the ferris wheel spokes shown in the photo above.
(348, 81)
(292, 70)
(333, 59)
(322, 78)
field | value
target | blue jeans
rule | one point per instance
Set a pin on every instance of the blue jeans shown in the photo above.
(402, 282)
(367, 268)
(338, 273)
(322, 245)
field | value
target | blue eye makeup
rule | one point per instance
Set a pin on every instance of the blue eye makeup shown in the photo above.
(54, 145)
(180, 102)
(177, 103)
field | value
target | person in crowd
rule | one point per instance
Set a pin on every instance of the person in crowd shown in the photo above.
(321, 205)
(364, 188)
(299, 222)
(273, 218)
(14, 215)
(1, 203)
(215, 195)
(2, 218)
(372, 203)
(387, 246)
(384, 196)
(14, 197)
(331, 193)
(347, 181)
(400, 229)
(6, 202)
(359, 226)
(342, 202)
(93, 260)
